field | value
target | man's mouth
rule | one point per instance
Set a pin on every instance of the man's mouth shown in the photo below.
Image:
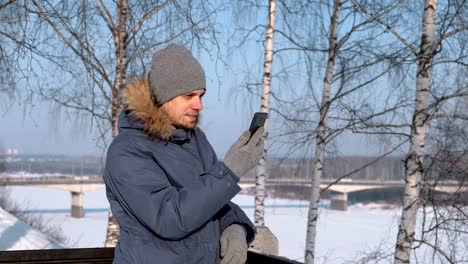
(192, 118)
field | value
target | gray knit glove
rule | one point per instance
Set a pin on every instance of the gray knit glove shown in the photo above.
(233, 245)
(245, 154)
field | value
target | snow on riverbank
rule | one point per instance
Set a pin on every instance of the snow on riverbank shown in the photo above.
(16, 235)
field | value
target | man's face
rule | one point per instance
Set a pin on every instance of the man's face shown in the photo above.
(184, 110)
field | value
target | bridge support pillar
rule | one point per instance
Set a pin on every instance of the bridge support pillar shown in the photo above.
(77, 204)
(339, 202)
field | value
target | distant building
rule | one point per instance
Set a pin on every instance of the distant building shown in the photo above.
(12, 152)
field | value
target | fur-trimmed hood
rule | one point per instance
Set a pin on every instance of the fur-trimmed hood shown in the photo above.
(140, 105)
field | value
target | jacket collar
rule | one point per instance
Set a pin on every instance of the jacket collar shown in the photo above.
(180, 136)
(142, 112)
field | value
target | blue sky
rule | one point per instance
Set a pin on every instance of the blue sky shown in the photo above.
(36, 132)
(225, 116)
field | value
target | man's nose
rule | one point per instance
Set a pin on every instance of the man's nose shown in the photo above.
(197, 104)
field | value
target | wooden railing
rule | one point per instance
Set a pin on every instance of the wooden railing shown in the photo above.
(99, 256)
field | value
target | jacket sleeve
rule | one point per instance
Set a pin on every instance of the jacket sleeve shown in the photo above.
(145, 193)
(231, 213)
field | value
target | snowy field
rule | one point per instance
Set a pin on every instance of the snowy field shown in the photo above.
(343, 237)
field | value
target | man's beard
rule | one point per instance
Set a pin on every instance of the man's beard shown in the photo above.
(185, 125)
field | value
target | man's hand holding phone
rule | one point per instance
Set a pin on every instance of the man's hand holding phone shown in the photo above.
(246, 152)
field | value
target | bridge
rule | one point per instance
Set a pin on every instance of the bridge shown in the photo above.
(342, 187)
(78, 185)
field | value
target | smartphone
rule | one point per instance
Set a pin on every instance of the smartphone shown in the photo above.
(258, 121)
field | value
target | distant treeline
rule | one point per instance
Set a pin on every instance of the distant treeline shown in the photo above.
(388, 168)
(453, 167)
(45, 164)
(356, 167)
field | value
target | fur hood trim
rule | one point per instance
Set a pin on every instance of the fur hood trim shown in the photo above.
(143, 106)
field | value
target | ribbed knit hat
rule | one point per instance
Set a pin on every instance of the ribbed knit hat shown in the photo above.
(174, 72)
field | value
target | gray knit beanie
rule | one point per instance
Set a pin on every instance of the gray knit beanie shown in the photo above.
(174, 72)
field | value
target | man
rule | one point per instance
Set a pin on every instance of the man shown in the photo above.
(167, 190)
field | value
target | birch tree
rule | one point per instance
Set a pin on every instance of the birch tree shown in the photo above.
(337, 47)
(265, 103)
(320, 138)
(245, 12)
(414, 161)
(428, 103)
(87, 51)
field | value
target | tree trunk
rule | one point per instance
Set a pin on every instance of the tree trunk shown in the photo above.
(266, 83)
(414, 161)
(120, 39)
(321, 138)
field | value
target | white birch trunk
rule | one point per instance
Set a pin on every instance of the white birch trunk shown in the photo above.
(321, 138)
(414, 161)
(120, 38)
(266, 83)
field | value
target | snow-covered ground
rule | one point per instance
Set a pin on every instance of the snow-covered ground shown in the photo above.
(16, 235)
(341, 236)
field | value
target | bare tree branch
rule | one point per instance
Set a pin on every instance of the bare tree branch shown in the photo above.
(387, 27)
(106, 16)
(446, 115)
(6, 4)
(95, 64)
(135, 29)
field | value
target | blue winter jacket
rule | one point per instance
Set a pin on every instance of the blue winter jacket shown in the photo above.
(167, 190)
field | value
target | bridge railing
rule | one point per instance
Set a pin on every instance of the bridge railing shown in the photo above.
(100, 256)
(49, 180)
